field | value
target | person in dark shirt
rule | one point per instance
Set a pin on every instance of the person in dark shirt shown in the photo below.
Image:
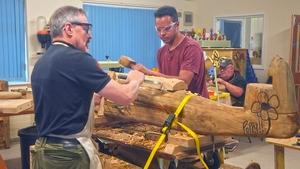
(64, 81)
(181, 57)
(234, 83)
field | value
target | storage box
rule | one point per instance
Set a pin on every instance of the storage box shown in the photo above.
(4, 133)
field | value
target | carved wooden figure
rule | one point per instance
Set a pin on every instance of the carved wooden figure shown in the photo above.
(269, 110)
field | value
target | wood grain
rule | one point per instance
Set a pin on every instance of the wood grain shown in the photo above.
(10, 95)
(15, 105)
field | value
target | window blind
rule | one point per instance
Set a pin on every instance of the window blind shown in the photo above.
(123, 31)
(12, 41)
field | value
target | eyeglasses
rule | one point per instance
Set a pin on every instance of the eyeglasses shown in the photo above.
(166, 28)
(87, 27)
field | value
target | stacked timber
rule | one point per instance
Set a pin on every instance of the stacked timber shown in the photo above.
(11, 103)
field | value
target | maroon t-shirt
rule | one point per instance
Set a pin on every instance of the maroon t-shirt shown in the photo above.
(188, 55)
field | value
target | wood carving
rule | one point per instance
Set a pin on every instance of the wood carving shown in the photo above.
(166, 84)
(154, 82)
(269, 110)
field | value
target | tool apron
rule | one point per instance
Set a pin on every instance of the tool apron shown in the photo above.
(86, 141)
(84, 137)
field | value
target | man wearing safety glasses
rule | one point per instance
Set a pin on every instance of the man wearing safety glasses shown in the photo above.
(64, 81)
(181, 57)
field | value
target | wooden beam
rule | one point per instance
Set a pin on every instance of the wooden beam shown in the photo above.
(269, 110)
(10, 95)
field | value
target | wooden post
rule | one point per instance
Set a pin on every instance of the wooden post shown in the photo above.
(279, 157)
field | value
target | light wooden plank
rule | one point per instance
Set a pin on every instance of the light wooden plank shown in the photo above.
(15, 105)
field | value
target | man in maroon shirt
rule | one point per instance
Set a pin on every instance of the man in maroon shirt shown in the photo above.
(181, 57)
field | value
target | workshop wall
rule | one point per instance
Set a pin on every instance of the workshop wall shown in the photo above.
(277, 23)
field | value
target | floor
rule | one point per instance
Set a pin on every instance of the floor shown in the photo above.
(257, 151)
(260, 152)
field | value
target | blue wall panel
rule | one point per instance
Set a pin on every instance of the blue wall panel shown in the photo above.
(12, 41)
(123, 31)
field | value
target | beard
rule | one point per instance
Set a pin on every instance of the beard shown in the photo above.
(168, 40)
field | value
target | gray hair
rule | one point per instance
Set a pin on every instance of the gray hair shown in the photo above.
(61, 16)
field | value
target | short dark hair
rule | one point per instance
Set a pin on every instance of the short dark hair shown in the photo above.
(167, 11)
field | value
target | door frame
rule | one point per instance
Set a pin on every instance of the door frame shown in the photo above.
(295, 54)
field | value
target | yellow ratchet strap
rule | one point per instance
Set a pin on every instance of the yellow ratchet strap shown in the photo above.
(197, 142)
(166, 128)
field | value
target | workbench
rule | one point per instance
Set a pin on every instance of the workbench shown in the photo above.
(18, 106)
(133, 142)
(12, 107)
(279, 145)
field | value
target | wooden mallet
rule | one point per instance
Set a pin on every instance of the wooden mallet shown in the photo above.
(127, 61)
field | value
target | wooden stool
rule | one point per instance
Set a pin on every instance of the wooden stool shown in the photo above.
(2, 163)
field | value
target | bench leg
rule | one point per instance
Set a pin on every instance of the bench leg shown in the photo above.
(279, 157)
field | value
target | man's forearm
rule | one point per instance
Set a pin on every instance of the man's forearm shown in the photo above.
(234, 90)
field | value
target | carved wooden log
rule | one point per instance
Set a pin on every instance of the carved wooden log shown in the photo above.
(269, 110)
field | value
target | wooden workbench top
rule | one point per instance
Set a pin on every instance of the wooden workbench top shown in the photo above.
(13, 107)
(289, 142)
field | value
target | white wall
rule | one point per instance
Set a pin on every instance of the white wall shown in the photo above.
(277, 23)
(35, 8)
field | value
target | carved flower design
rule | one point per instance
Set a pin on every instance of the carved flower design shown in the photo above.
(265, 106)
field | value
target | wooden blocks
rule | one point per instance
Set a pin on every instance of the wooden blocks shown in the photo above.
(10, 95)
(15, 105)
(184, 140)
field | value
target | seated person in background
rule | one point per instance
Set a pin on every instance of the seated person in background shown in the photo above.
(234, 83)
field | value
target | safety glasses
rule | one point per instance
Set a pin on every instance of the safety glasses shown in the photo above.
(87, 27)
(166, 28)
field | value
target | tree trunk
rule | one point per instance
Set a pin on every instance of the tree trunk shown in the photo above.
(269, 110)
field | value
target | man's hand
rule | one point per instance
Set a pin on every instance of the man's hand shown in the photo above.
(141, 68)
(135, 75)
(97, 99)
(221, 81)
